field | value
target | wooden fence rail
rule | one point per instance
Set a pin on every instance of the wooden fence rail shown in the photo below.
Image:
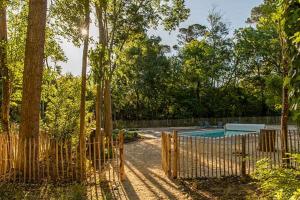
(48, 159)
(191, 157)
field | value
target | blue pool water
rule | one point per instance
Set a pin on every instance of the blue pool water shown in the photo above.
(214, 133)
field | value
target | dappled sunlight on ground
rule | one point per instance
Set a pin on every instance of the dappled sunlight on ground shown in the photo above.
(145, 178)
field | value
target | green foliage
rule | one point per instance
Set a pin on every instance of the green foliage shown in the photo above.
(291, 16)
(68, 24)
(17, 12)
(210, 73)
(60, 104)
(278, 183)
(129, 135)
(213, 75)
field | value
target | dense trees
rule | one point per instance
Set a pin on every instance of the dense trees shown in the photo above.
(210, 73)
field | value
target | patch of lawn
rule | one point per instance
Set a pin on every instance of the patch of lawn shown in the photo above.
(45, 191)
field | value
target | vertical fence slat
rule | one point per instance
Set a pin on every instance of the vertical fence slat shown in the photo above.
(197, 155)
(76, 163)
(112, 159)
(67, 162)
(94, 159)
(212, 155)
(243, 170)
(207, 163)
(29, 159)
(175, 160)
(99, 158)
(191, 157)
(219, 155)
(108, 139)
(178, 154)
(200, 155)
(15, 157)
(35, 158)
(187, 157)
(62, 159)
(48, 157)
(169, 156)
(25, 158)
(122, 159)
(5, 158)
(224, 156)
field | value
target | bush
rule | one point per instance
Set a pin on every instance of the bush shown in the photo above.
(278, 183)
(128, 135)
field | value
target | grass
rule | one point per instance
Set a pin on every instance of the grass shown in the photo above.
(46, 191)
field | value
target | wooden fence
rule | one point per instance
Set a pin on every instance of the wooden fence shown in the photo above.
(191, 157)
(48, 159)
(271, 120)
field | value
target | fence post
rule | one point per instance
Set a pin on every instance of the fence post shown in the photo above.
(164, 152)
(122, 160)
(169, 153)
(175, 160)
(243, 155)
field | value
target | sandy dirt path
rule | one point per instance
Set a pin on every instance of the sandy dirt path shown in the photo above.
(145, 179)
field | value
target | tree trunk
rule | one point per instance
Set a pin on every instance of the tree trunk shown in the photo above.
(285, 62)
(99, 106)
(4, 70)
(284, 122)
(83, 90)
(108, 126)
(32, 85)
(100, 85)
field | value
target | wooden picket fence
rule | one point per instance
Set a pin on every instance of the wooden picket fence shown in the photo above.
(192, 157)
(60, 160)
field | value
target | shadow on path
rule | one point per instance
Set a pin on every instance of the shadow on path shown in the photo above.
(145, 179)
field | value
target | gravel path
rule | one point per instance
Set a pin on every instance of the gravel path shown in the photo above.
(145, 179)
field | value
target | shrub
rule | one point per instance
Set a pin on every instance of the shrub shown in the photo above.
(128, 135)
(278, 183)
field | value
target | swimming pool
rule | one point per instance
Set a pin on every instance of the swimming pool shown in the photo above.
(215, 133)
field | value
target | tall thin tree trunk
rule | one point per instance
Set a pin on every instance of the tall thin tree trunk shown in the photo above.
(83, 88)
(32, 83)
(284, 119)
(285, 97)
(99, 106)
(100, 85)
(108, 126)
(4, 70)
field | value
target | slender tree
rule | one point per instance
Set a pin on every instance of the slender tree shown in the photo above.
(288, 26)
(32, 79)
(6, 85)
(120, 19)
(85, 33)
(100, 6)
(285, 63)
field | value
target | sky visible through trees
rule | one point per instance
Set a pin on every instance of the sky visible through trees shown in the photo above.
(235, 14)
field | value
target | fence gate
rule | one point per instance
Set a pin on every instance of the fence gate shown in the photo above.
(191, 157)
